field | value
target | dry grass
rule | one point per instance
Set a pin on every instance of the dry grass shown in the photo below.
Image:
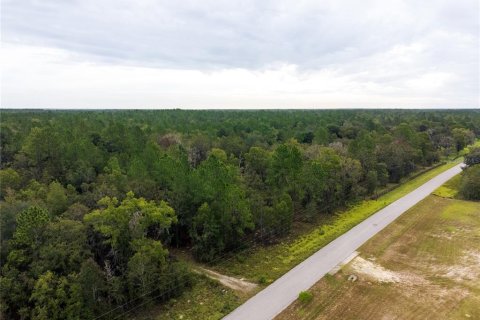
(426, 265)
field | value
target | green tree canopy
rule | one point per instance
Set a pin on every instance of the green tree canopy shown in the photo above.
(130, 219)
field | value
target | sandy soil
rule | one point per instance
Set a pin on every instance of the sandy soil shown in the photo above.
(233, 283)
(374, 271)
(467, 270)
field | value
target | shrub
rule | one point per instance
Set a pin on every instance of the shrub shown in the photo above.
(262, 279)
(305, 297)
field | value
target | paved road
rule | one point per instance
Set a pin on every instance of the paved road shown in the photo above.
(273, 299)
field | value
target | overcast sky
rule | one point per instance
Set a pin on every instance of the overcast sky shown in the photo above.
(240, 54)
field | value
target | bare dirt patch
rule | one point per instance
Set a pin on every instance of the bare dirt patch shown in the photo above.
(374, 271)
(231, 282)
(467, 270)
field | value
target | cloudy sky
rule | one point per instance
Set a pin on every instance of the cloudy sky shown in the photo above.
(240, 54)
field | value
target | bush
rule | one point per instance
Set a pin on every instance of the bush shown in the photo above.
(305, 297)
(262, 279)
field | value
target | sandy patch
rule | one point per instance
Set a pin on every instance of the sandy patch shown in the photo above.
(443, 235)
(230, 282)
(468, 268)
(374, 271)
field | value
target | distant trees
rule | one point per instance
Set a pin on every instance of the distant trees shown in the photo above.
(57, 200)
(91, 201)
(285, 169)
(9, 179)
(462, 137)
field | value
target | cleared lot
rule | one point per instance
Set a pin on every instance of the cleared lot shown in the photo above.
(425, 265)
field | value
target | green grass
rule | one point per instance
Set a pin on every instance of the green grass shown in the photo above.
(207, 299)
(457, 210)
(470, 307)
(449, 189)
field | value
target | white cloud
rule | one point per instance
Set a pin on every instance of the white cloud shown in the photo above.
(430, 82)
(222, 54)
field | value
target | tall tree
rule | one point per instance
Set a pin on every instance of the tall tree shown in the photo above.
(223, 214)
(131, 219)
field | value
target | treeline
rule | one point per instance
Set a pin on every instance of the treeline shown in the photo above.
(470, 179)
(91, 201)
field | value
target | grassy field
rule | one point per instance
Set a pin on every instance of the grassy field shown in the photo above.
(426, 265)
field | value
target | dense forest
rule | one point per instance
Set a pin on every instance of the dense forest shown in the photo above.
(91, 201)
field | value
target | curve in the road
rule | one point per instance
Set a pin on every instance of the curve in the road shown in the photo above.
(273, 299)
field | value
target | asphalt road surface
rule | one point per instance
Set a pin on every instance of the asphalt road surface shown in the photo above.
(280, 294)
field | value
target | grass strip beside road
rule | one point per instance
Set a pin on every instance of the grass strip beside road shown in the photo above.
(450, 188)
